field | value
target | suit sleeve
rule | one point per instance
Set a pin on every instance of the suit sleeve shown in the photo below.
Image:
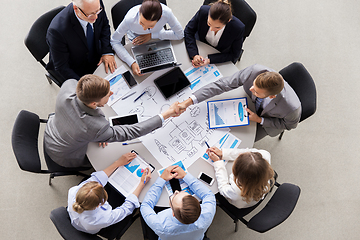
(122, 133)
(105, 33)
(235, 49)
(60, 54)
(189, 32)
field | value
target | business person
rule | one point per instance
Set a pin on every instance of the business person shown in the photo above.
(79, 40)
(216, 26)
(277, 105)
(250, 178)
(79, 120)
(88, 205)
(187, 218)
(142, 23)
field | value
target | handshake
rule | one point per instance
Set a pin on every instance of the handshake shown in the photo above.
(176, 109)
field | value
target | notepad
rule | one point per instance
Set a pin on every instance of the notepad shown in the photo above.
(227, 113)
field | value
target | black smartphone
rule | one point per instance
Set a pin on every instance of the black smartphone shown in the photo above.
(129, 79)
(175, 184)
(206, 178)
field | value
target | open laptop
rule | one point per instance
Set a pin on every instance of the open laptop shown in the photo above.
(154, 56)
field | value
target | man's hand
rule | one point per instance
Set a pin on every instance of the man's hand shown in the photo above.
(136, 69)
(109, 62)
(126, 158)
(173, 111)
(169, 173)
(103, 144)
(185, 103)
(180, 172)
(142, 39)
(253, 116)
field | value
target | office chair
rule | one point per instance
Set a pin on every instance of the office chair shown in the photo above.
(119, 10)
(24, 141)
(62, 222)
(35, 41)
(244, 13)
(301, 81)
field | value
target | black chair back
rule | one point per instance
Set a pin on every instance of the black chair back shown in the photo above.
(35, 40)
(24, 141)
(303, 84)
(62, 222)
(242, 11)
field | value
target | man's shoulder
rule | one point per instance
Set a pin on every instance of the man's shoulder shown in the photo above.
(61, 21)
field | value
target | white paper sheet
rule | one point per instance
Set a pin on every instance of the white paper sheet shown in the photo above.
(201, 76)
(117, 85)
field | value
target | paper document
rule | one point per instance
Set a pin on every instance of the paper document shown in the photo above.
(201, 76)
(227, 141)
(183, 184)
(228, 113)
(118, 85)
(126, 178)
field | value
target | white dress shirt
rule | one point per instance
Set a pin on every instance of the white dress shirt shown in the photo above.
(213, 38)
(132, 27)
(226, 184)
(92, 221)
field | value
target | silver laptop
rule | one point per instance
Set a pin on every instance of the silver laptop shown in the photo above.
(154, 56)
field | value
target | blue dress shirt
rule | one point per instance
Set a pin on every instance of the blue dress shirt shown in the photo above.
(92, 221)
(165, 225)
(132, 27)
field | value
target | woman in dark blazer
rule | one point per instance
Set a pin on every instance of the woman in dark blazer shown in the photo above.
(216, 26)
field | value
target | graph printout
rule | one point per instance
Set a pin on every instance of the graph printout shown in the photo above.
(126, 178)
(227, 113)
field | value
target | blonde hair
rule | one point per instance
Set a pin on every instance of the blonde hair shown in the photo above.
(89, 196)
(252, 174)
(92, 88)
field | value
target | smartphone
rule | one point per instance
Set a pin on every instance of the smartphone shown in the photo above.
(175, 184)
(206, 178)
(129, 79)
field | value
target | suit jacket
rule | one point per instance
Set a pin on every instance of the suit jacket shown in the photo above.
(68, 45)
(230, 43)
(283, 112)
(74, 125)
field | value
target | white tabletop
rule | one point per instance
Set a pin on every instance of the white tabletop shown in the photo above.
(101, 158)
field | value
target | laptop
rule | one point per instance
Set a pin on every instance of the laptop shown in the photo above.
(154, 56)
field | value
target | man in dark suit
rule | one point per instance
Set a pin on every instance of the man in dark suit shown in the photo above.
(79, 40)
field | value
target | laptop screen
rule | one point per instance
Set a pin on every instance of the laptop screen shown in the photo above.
(172, 82)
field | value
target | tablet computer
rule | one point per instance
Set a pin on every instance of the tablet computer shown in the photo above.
(172, 82)
(124, 120)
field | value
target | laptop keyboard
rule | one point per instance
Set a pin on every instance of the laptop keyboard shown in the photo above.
(157, 58)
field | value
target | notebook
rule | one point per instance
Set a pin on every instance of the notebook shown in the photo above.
(154, 56)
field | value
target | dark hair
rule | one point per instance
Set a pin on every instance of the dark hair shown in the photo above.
(252, 174)
(190, 210)
(92, 88)
(221, 10)
(272, 82)
(151, 10)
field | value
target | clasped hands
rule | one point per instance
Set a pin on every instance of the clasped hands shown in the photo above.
(199, 61)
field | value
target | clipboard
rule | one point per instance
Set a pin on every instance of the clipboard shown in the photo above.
(227, 113)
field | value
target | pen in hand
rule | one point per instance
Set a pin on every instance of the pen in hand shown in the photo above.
(207, 144)
(146, 172)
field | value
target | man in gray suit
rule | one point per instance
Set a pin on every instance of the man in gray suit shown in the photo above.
(78, 120)
(277, 105)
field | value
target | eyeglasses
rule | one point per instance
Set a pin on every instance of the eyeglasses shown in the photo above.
(92, 14)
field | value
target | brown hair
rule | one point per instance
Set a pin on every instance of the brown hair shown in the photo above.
(252, 174)
(221, 10)
(89, 196)
(190, 210)
(151, 10)
(92, 88)
(272, 82)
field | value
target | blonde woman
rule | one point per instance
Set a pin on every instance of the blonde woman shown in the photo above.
(250, 177)
(88, 208)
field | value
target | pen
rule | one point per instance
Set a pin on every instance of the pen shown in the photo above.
(145, 176)
(140, 96)
(207, 144)
(128, 95)
(128, 143)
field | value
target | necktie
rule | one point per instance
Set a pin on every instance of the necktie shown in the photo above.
(90, 40)
(258, 106)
